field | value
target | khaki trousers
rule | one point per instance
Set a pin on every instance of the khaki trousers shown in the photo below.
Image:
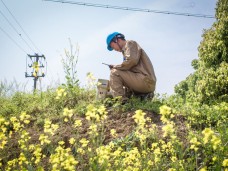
(136, 82)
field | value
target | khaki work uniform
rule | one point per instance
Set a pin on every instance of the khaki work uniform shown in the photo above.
(136, 72)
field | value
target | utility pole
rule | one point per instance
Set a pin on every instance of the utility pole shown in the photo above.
(36, 63)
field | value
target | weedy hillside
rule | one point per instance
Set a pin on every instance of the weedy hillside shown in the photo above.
(68, 128)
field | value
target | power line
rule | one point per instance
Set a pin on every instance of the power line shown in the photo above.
(16, 31)
(20, 26)
(132, 9)
(13, 40)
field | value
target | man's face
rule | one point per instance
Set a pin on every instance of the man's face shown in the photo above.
(115, 46)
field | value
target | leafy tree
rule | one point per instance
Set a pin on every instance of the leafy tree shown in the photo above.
(209, 83)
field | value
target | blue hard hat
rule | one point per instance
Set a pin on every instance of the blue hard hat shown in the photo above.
(110, 37)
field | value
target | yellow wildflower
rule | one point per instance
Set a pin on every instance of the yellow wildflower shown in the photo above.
(142, 137)
(2, 144)
(61, 142)
(203, 169)
(90, 76)
(131, 159)
(102, 111)
(103, 153)
(54, 127)
(4, 129)
(157, 151)
(139, 118)
(113, 133)
(166, 113)
(117, 153)
(49, 127)
(38, 154)
(207, 132)
(90, 115)
(66, 119)
(16, 124)
(68, 112)
(165, 110)
(171, 169)
(44, 139)
(2, 120)
(168, 129)
(84, 142)
(26, 121)
(215, 141)
(173, 158)
(24, 116)
(150, 163)
(72, 141)
(81, 151)
(5, 123)
(154, 145)
(93, 129)
(225, 163)
(22, 159)
(194, 143)
(62, 159)
(24, 139)
(60, 93)
(77, 123)
(31, 147)
(214, 158)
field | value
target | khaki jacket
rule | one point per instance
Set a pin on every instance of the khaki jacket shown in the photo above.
(137, 61)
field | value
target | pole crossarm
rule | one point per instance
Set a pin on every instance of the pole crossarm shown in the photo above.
(36, 63)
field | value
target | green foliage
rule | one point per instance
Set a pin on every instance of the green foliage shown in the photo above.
(213, 85)
(8, 88)
(68, 129)
(7, 107)
(51, 131)
(73, 93)
(149, 104)
(70, 66)
(195, 64)
(202, 116)
(186, 88)
(209, 84)
(135, 103)
(213, 49)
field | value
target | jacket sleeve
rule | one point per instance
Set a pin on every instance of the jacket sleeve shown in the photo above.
(131, 54)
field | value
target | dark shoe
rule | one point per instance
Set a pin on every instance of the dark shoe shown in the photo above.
(128, 93)
(145, 96)
(124, 100)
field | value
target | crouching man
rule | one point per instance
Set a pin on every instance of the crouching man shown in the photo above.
(136, 73)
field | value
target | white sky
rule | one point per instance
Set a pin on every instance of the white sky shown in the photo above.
(170, 41)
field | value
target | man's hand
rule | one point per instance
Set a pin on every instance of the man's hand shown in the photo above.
(111, 66)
